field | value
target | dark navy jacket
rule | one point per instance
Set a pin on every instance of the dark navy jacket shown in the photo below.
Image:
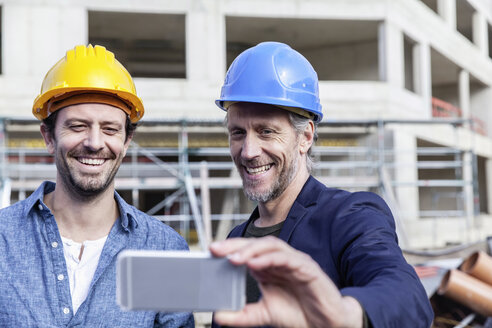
(352, 237)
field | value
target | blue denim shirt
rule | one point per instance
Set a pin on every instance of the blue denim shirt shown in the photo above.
(34, 289)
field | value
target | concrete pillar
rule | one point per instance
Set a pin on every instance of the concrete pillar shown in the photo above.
(391, 61)
(468, 191)
(405, 147)
(217, 64)
(422, 74)
(44, 25)
(464, 103)
(59, 27)
(480, 32)
(205, 42)
(74, 22)
(447, 10)
(15, 39)
(464, 93)
(488, 174)
(35, 37)
(196, 43)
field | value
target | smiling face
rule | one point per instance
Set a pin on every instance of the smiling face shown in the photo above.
(266, 149)
(89, 144)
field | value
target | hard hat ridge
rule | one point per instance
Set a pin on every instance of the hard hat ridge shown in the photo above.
(273, 73)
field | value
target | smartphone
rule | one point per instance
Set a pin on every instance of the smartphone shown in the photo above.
(168, 281)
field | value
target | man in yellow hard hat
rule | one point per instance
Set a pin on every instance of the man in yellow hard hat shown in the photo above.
(58, 247)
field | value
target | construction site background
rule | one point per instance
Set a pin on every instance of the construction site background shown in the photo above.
(406, 89)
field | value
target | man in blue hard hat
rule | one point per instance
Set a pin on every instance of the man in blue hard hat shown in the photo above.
(323, 257)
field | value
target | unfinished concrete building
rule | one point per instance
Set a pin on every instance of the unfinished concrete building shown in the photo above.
(406, 88)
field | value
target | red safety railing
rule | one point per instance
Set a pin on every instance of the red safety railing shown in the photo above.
(441, 108)
(478, 126)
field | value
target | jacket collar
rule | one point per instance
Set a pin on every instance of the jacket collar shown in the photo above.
(307, 197)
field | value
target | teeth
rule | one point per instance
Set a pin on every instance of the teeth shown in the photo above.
(258, 170)
(91, 161)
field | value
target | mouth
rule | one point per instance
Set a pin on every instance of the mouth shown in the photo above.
(258, 170)
(91, 161)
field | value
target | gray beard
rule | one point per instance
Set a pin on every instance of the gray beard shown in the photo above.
(278, 187)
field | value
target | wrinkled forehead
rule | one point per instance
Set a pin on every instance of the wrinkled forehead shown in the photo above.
(256, 111)
(92, 112)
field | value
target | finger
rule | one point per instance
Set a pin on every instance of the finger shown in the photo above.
(275, 259)
(259, 247)
(241, 250)
(262, 253)
(228, 246)
(253, 314)
(272, 267)
(285, 266)
(278, 277)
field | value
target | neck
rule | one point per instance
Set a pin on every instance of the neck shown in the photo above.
(276, 210)
(79, 219)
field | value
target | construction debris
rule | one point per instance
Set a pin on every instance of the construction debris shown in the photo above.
(460, 289)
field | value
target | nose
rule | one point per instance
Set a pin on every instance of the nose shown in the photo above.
(251, 147)
(94, 140)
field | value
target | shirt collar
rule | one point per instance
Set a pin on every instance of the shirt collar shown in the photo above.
(128, 217)
(36, 198)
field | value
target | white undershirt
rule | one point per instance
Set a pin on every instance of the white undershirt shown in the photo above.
(81, 272)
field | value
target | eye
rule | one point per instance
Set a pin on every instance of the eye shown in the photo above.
(266, 132)
(236, 133)
(77, 127)
(110, 130)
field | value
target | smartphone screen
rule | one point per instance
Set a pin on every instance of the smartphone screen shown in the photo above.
(178, 281)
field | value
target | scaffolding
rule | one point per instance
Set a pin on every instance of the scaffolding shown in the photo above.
(188, 179)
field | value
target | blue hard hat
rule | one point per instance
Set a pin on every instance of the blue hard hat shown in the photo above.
(272, 73)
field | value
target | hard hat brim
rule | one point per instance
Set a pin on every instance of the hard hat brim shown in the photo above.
(40, 110)
(309, 113)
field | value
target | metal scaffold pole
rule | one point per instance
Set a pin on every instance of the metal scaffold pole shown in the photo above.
(190, 190)
(187, 183)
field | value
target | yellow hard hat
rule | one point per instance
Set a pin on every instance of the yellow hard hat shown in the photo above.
(86, 70)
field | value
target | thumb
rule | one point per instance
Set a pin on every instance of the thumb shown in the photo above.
(253, 314)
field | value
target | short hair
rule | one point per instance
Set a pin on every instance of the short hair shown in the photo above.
(50, 123)
(300, 123)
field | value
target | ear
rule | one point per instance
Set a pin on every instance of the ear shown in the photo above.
(306, 138)
(48, 138)
(127, 144)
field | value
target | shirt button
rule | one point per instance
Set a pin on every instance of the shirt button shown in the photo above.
(54, 244)
(66, 310)
(60, 277)
(40, 207)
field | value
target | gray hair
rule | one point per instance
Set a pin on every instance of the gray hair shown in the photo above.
(300, 123)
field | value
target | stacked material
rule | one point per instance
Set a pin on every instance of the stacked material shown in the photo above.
(471, 285)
